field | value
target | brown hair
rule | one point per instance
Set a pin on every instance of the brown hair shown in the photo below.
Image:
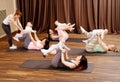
(114, 49)
(83, 64)
(17, 12)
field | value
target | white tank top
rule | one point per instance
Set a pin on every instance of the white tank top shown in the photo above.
(6, 21)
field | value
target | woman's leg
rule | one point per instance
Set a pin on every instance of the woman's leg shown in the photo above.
(27, 39)
(57, 59)
(7, 30)
(88, 34)
(101, 43)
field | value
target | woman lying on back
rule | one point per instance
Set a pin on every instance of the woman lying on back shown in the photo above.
(61, 60)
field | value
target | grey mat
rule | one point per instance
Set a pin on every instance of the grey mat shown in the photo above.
(83, 52)
(46, 64)
(18, 49)
(73, 40)
(22, 49)
(76, 39)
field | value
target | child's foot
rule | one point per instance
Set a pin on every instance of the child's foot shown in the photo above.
(44, 52)
(85, 41)
(82, 29)
(15, 38)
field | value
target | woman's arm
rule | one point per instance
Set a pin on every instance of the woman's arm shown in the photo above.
(66, 55)
(19, 24)
(54, 36)
(34, 42)
(16, 24)
(66, 63)
(36, 37)
(102, 44)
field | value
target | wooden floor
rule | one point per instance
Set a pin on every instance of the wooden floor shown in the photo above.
(106, 68)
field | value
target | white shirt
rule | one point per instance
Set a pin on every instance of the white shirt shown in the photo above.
(28, 29)
(99, 31)
(7, 20)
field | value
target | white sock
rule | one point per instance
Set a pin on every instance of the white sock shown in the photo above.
(83, 30)
(46, 52)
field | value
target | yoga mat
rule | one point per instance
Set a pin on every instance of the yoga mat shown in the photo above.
(72, 40)
(46, 64)
(22, 49)
(76, 39)
(84, 52)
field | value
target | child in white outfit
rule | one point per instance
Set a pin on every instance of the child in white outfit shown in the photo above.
(61, 29)
(59, 46)
(92, 35)
(27, 29)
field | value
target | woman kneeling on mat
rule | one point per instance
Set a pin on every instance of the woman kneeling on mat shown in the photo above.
(61, 60)
(35, 44)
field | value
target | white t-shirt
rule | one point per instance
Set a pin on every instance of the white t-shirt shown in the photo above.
(38, 46)
(7, 20)
(28, 29)
(99, 31)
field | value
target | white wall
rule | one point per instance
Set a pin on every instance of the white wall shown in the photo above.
(10, 7)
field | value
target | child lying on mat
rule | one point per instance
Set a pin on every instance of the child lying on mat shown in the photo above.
(61, 60)
(92, 34)
(61, 30)
(27, 29)
(100, 46)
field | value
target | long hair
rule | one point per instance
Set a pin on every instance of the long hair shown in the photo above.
(47, 42)
(49, 38)
(83, 64)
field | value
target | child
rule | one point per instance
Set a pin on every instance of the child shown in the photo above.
(92, 35)
(61, 29)
(28, 28)
(59, 46)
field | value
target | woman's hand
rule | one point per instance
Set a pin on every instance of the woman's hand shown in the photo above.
(63, 51)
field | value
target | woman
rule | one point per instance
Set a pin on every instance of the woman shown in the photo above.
(100, 46)
(53, 36)
(34, 43)
(12, 19)
(61, 60)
